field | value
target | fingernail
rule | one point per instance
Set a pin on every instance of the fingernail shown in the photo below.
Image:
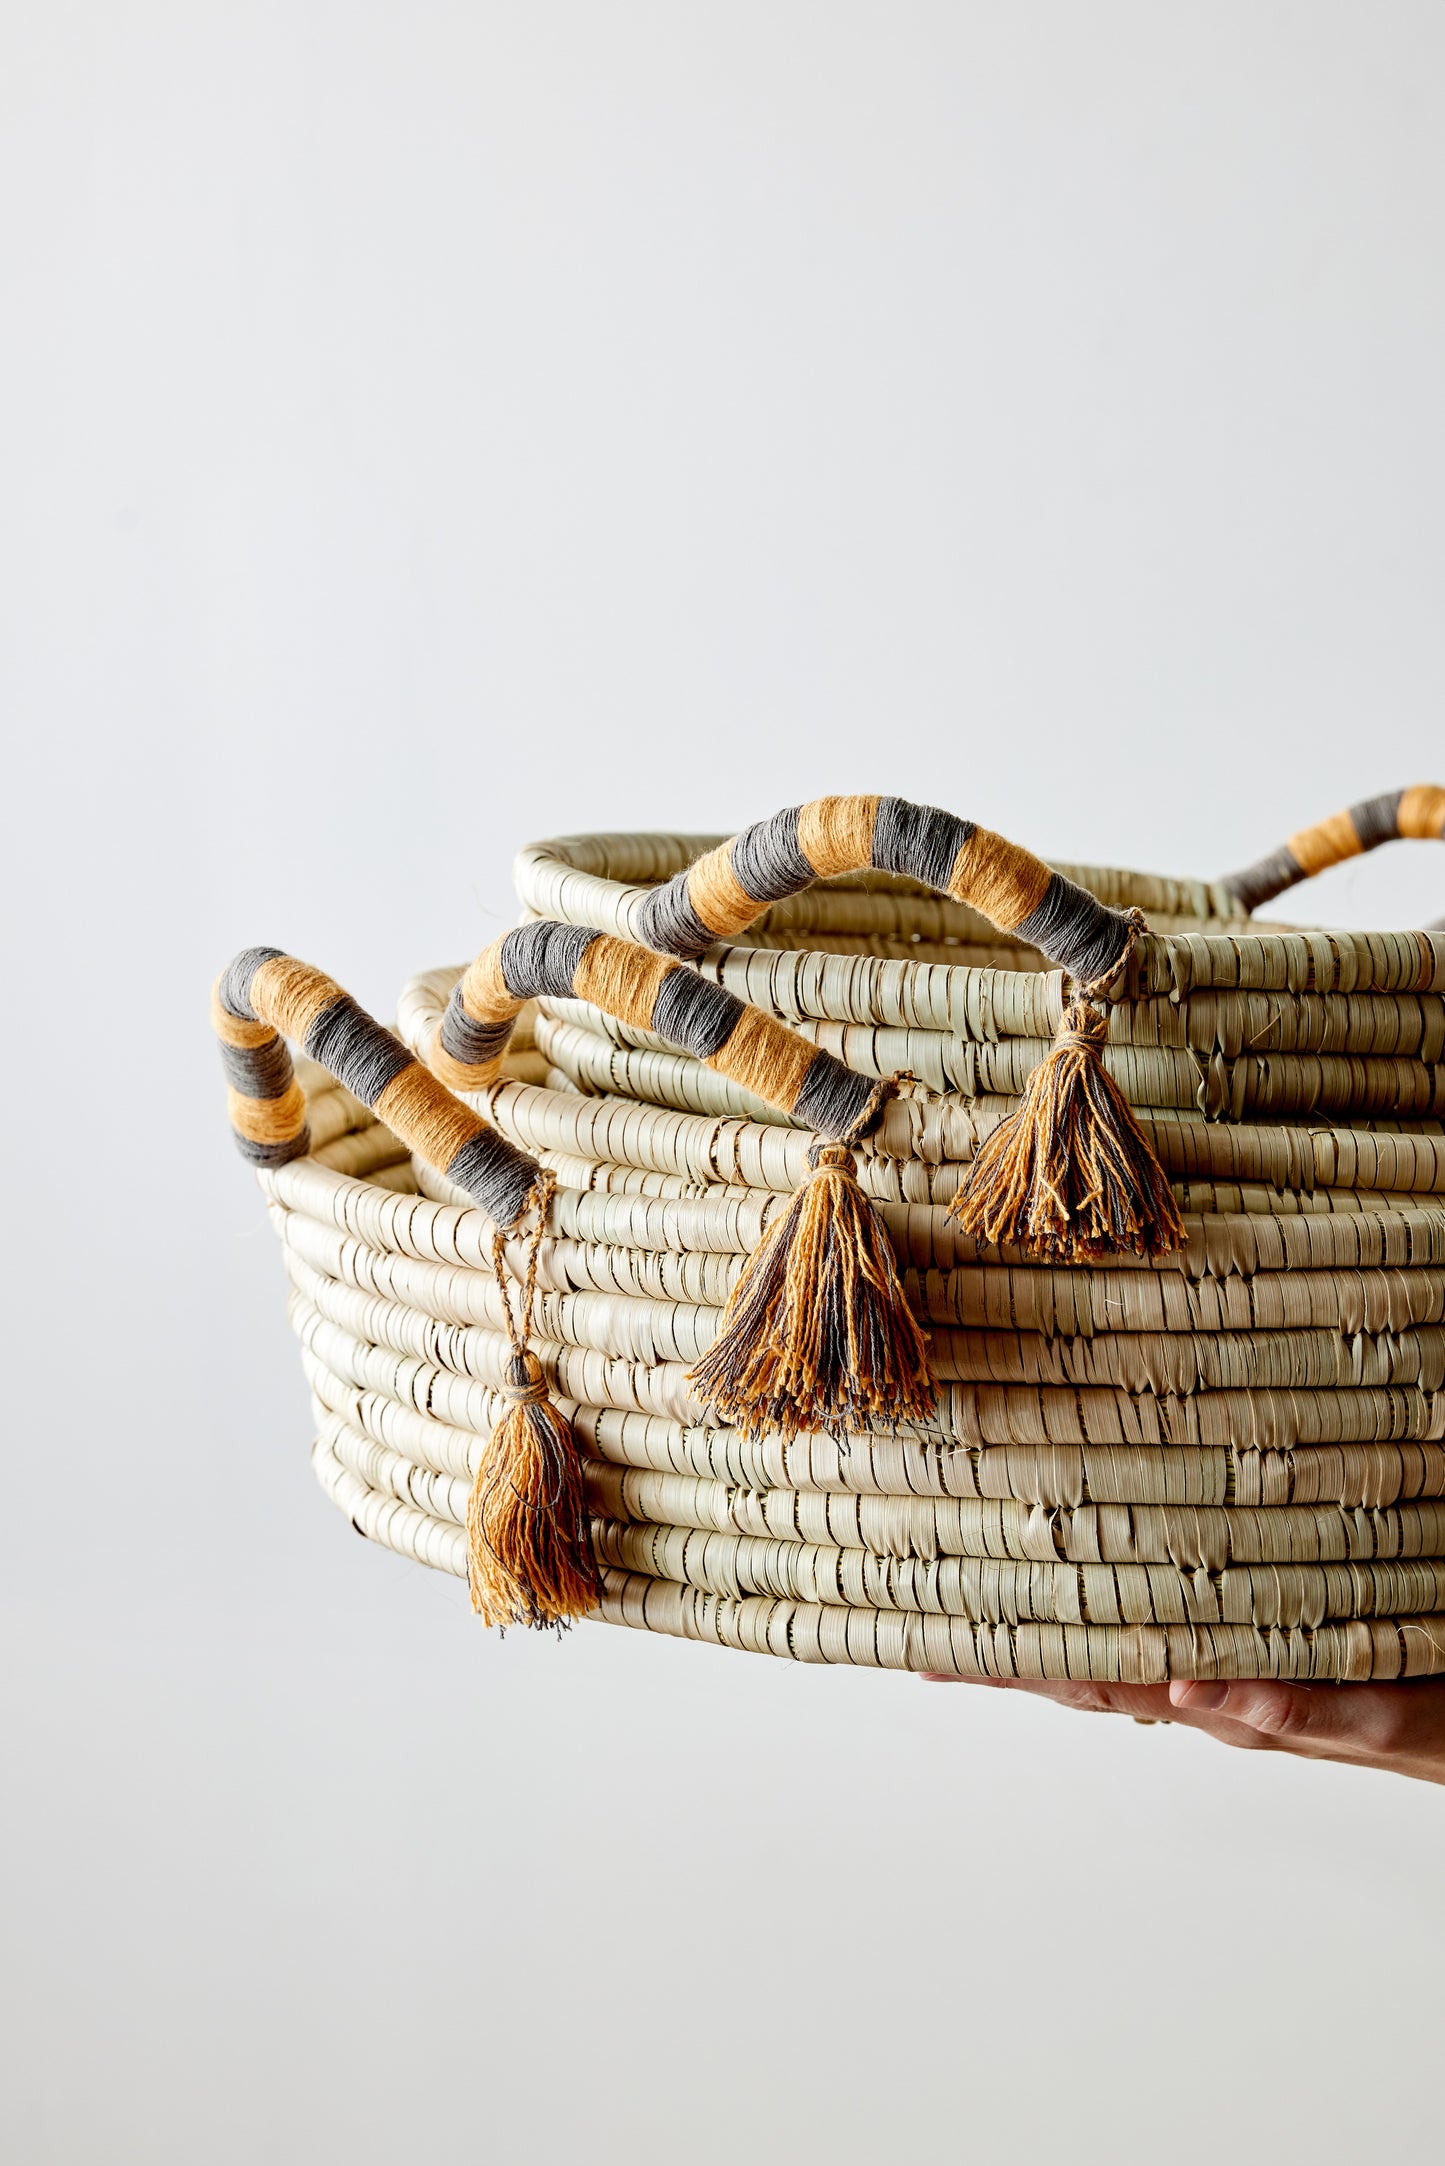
(1189, 1694)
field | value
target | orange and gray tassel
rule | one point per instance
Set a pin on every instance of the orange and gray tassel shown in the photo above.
(529, 1557)
(1070, 1175)
(817, 1333)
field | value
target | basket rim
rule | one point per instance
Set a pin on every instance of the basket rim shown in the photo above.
(603, 879)
(939, 1134)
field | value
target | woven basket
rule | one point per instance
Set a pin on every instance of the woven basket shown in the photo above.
(1224, 1461)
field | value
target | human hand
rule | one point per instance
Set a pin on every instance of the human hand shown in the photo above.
(1399, 1728)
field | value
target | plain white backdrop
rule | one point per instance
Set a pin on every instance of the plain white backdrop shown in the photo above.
(431, 426)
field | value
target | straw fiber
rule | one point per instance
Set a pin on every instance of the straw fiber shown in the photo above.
(1225, 1460)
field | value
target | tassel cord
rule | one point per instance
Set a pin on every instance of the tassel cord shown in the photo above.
(1098, 990)
(519, 1332)
(530, 1557)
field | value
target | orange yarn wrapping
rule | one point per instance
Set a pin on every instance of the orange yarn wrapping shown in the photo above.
(529, 1557)
(817, 1333)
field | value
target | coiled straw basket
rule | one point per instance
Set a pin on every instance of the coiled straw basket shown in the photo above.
(1225, 1459)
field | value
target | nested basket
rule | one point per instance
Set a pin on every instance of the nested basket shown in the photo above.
(1221, 1459)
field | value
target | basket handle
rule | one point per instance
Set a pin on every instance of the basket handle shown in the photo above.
(1413, 814)
(725, 890)
(265, 997)
(549, 960)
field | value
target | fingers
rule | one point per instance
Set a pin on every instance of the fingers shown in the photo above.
(1149, 1702)
(1384, 1724)
(1276, 1710)
(1145, 1703)
(1393, 1726)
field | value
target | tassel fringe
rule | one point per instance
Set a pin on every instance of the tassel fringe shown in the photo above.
(817, 1333)
(527, 1519)
(1071, 1175)
(529, 1556)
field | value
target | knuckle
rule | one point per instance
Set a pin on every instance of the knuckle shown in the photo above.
(1240, 1738)
(1279, 1712)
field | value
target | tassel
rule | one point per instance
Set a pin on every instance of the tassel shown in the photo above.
(1071, 1175)
(527, 1518)
(817, 1333)
(530, 1561)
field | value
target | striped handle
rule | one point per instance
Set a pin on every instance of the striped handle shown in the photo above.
(729, 887)
(265, 997)
(651, 992)
(1417, 813)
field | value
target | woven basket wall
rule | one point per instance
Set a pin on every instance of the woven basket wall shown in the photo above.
(1230, 1462)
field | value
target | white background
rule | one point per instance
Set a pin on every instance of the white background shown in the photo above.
(431, 426)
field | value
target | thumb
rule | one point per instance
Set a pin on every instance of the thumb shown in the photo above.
(1360, 1718)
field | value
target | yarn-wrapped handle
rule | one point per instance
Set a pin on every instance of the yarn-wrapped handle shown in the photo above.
(265, 997)
(1416, 814)
(1070, 1173)
(549, 960)
(727, 888)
